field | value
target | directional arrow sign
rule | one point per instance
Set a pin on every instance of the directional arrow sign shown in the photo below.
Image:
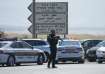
(49, 6)
(30, 29)
(30, 18)
(30, 7)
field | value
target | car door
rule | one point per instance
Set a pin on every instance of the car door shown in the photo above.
(23, 52)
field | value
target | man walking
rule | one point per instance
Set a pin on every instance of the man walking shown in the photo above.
(52, 40)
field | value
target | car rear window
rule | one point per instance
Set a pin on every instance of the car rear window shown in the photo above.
(2, 44)
(70, 43)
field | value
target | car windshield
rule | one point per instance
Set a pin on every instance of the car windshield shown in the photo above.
(2, 44)
(70, 43)
(101, 44)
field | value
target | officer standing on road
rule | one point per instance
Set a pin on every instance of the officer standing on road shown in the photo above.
(52, 40)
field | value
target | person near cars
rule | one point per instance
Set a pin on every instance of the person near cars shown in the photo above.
(52, 40)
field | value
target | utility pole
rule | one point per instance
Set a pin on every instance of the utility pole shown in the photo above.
(34, 35)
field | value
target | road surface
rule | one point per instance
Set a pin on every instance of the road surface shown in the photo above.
(70, 68)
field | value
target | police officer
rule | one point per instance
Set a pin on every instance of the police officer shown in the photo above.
(52, 40)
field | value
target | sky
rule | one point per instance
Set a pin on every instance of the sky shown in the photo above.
(84, 16)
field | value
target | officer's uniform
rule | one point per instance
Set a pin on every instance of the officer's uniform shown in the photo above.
(52, 40)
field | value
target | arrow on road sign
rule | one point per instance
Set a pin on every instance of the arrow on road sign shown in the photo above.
(30, 29)
(30, 18)
(30, 7)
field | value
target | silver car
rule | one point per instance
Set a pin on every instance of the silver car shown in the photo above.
(100, 52)
(17, 52)
(70, 50)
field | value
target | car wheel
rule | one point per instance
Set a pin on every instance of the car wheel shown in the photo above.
(99, 62)
(63, 61)
(2, 65)
(40, 59)
(11, 61)
(91, 59)
(81, 61)
(18, 64)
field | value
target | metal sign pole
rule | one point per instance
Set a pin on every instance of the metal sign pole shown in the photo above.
(34, 35)
(64, 35)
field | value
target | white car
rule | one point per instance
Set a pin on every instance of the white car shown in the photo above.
(17, 52)
(100, 53)
(70, 50)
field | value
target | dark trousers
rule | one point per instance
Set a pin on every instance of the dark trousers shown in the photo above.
(52, 57)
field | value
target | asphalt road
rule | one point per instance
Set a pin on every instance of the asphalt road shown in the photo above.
(69, 68)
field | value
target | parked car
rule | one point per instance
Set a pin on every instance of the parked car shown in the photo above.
(100, 53)
(91, 53)
(40, 44)
(70, 50)
(17, 52)
(89, 43)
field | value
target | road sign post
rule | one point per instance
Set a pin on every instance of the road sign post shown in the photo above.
(34, 35)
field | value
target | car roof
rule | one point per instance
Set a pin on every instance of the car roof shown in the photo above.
(33, 39)
(69, 40)
(90, 39)
(6, 41)
(9, 41)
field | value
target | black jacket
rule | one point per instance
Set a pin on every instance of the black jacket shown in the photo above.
(52, 40)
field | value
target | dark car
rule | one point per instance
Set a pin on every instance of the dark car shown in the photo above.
(87, 44)
(91, 53)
